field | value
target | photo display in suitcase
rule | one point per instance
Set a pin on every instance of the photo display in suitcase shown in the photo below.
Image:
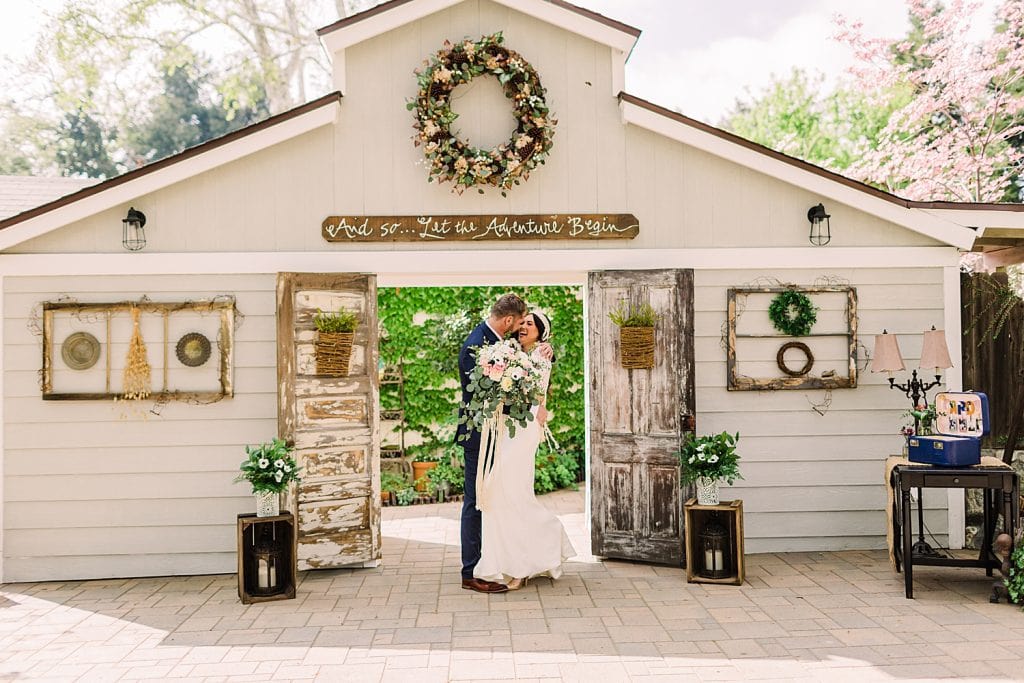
(961, 420)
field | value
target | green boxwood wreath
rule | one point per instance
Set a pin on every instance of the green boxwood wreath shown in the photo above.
(792, 313)
(453, 160)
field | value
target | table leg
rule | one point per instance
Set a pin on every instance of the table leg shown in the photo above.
(989, 526)
(908, 558)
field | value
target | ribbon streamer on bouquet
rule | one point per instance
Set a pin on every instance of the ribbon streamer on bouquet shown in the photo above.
(550, 440)
(490, 437)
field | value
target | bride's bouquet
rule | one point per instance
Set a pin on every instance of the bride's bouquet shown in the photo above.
(504, 377)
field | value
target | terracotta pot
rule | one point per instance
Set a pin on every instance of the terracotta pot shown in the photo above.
(420, 469)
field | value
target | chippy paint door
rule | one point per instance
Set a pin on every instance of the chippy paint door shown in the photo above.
(638, 417)
(332, 421)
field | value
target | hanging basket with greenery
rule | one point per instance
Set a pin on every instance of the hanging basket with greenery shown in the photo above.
(452, 159)
(792, 313)
(335, 333)
(636, 334)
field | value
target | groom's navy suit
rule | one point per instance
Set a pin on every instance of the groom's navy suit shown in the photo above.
(481, 335)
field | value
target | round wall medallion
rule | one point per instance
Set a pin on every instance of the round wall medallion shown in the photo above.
(193, 349)
(780, 358)
(80, 351)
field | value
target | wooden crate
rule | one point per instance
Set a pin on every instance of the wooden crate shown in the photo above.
(696, 516)
(249, 525)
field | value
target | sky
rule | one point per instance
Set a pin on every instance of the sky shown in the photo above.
(695, 56)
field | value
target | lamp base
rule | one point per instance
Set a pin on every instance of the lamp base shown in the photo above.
(922, 549)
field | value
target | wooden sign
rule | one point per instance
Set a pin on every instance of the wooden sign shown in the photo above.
(617, 226)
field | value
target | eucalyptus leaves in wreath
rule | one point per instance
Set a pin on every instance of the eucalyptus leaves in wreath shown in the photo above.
(453, 160)
(792, 313)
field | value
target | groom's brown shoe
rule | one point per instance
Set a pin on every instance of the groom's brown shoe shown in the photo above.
(481, 586)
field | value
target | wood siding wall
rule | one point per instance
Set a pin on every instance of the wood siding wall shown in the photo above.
(96, 489)
(814, 481)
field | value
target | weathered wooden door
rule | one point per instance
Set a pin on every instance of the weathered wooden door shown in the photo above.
(638, 417)
(332, 421)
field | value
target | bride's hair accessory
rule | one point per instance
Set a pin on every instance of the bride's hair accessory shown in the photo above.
(543, 325)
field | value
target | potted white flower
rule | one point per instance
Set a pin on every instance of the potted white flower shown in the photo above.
(269, 468)
(706, 460)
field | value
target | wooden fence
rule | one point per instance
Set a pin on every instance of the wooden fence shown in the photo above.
(993, 351)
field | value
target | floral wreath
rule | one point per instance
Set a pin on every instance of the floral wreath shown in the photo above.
(792, 313)
(452, 159)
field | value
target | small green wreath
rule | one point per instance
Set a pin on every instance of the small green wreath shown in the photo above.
(792, 313)
(452, 159)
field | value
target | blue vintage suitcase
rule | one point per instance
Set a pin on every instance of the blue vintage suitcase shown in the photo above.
(961, 420)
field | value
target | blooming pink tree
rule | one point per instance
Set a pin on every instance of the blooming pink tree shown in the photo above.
(952, 140)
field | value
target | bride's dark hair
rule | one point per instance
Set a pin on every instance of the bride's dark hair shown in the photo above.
(543, 325)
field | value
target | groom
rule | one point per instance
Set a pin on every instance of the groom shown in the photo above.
(506, 314)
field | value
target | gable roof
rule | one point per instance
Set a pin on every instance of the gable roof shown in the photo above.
(23, 192)
(388, 16)
(955, 223)
(126, 187)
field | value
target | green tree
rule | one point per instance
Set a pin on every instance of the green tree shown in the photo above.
(188, 112)
(799, 117)
(82, 147)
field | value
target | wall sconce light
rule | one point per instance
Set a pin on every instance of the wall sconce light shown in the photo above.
(934, 354)
(134, 230)
(821, 230)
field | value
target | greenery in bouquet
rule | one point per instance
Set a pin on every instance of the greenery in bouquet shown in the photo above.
(712, 456)
(269, 467)
(338, 321)
(503, 377)
(924, 416)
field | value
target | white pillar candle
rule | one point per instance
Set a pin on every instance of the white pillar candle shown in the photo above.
(263, 575)
(709, 562)
(273, 575)
(719, 561)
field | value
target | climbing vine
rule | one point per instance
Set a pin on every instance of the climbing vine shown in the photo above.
(422, 328)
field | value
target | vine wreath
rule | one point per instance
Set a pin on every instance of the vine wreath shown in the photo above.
(452, 159)
(792, 313)
(780, 359)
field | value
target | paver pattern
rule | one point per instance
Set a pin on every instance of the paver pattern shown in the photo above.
(799, 617)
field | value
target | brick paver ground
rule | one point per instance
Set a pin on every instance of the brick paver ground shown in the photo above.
(799, 617)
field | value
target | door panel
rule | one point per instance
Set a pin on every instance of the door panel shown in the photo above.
(332, 421)
(638, 417)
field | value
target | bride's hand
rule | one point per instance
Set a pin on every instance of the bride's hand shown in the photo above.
(542, 416)
(546, 352)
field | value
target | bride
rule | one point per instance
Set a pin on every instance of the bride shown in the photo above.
(521, 538)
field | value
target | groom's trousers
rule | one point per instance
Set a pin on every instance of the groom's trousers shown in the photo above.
(471, 524)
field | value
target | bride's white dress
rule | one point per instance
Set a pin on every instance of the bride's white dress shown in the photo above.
(521, 538)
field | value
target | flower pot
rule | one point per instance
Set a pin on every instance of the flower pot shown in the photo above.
(333, 351)
(707, 491)
(420, 469)
(636, 347)
(268, 503)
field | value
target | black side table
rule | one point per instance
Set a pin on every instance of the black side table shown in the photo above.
(1000, 484)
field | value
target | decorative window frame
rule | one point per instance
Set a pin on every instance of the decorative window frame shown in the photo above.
(222, 306)
(736, 382)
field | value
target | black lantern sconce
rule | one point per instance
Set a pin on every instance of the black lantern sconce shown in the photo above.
(268, 561)
(715, 550)
(821, 230)
(134, 230)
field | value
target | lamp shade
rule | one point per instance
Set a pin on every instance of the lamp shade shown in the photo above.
(887, 356)
(934, 352)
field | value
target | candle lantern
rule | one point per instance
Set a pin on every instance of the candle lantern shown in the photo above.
(715, 550)
(268, 561)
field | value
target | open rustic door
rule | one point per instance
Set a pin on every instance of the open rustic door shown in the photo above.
(332, 421)
(638, 417)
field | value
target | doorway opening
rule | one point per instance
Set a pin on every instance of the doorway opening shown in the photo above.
(421, 330)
